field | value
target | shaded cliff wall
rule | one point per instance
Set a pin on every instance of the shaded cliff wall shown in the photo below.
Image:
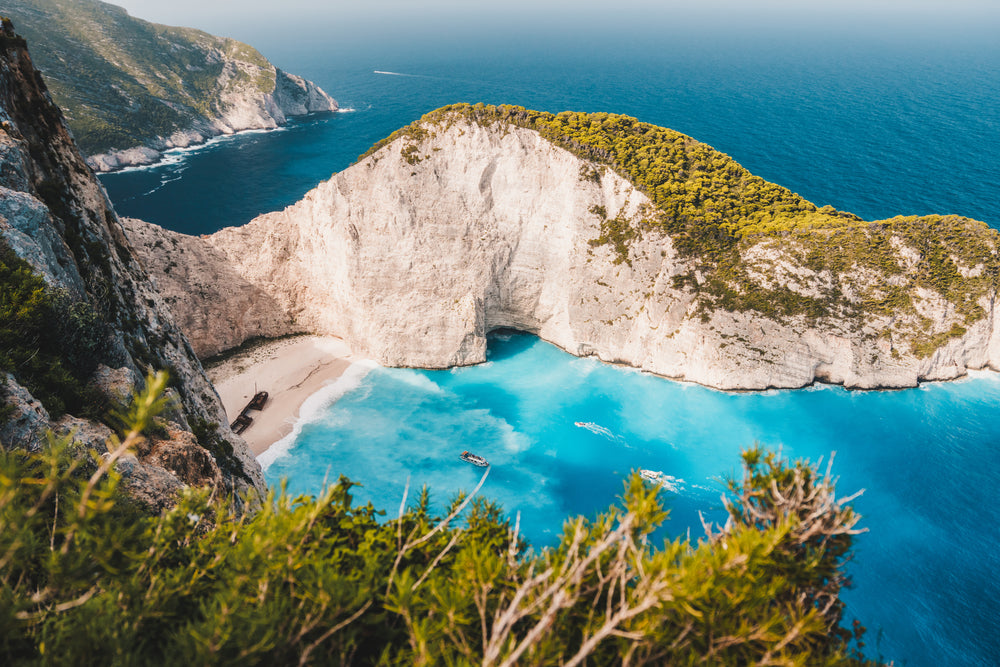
(55, 215)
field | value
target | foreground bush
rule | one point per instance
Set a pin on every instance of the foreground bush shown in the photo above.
(86, 578)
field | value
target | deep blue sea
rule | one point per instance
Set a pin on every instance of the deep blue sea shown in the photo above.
(899, 120)
(906, 126)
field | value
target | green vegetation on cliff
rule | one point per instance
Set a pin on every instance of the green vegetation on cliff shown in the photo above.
(49, 342)
(122, 81)
(715, 210)
(85, 577)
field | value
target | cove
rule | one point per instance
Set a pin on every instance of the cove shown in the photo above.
(924, 575)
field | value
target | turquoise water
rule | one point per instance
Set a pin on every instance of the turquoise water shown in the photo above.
(899, 118)
(927, 459)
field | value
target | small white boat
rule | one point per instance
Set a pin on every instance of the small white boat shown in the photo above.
(473, 459)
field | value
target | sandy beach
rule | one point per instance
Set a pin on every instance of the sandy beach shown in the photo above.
(290, 370)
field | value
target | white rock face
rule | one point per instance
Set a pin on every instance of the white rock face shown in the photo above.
(296, 96)
(414, 254)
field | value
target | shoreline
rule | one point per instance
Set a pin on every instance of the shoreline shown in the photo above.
(304, 374)
(172, 154)
(175, 154)
(291, 370)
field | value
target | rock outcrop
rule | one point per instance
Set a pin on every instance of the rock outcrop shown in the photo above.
(55, 216)
(188, 271)
(458, 227)
(132, 89)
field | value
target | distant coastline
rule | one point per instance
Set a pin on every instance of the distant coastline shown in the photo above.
(173, 154)
(147, 157)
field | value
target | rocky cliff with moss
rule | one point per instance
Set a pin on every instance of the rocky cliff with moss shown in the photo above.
(81, 323)
(131, 89)
(605, 236)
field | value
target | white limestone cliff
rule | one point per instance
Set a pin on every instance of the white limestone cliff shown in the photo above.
(418, 251)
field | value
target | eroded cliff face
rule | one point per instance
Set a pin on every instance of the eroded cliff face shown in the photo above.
(55, 215)
(188, 271)
(415, 253)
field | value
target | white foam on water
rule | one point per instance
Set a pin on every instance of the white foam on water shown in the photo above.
(820, 386)
(313, 408)
(177, 155)
(164, 180)
(455, 370)
(584, 366)
(513, 440)
(666, 482)
(417, 380)
(595, 428)
(603, 431)
(983, 375)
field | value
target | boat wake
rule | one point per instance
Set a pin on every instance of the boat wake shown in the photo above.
(602, 431)
(164, 181)
(666, 482)
(415, 76)
(426, 76)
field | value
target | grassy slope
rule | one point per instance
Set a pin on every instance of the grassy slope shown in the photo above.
(715, 210)
(122, 81)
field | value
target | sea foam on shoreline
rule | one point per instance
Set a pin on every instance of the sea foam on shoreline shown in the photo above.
(312, 408)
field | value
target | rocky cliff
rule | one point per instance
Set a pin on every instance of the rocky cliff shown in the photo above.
(604, 236)
(55, 216)
(131, 89)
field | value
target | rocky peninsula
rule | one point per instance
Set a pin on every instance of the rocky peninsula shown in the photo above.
(132, 89)
(604, 236)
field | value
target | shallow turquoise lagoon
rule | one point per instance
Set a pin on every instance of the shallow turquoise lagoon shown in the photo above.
(562, 433)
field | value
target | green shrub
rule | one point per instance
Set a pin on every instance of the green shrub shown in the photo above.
(49, 341)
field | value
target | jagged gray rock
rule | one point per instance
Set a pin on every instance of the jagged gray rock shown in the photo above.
(186, 270)
(24, 427)
(55, 215)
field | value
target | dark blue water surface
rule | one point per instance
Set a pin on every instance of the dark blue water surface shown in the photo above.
(899, 118)
(873, 126)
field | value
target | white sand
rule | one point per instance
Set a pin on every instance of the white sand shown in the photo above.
(290, 370)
